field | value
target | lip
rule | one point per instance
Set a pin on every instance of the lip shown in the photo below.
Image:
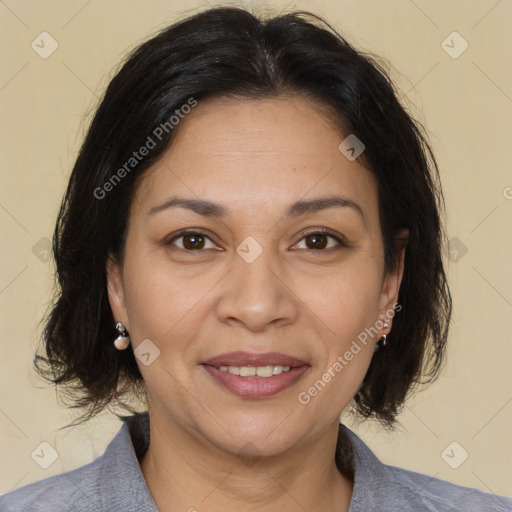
(241, 358)
(256, 387)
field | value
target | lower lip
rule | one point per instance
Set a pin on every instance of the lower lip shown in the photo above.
(256, 387)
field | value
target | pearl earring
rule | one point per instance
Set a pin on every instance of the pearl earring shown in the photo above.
(384, 336)
(123, 340)
(382, 341)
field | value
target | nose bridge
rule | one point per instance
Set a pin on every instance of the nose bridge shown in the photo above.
(255, 294)
(255, 271)
(255, 282)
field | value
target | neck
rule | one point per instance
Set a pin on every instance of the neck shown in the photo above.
(185, 474)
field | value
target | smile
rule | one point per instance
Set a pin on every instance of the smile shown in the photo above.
(255, 382)
(255, 371)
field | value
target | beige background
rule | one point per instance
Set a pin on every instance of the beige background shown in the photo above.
(467, 105)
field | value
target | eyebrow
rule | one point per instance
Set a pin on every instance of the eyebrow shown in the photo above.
(210, 209)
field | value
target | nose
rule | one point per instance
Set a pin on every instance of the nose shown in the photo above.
(257, 295)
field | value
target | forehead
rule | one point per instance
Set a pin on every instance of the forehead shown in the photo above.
(256, 153)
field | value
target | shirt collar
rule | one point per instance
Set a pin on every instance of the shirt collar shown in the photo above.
(122, 480)
(372, 484)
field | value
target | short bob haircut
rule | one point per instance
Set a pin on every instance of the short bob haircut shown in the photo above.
(229, 52)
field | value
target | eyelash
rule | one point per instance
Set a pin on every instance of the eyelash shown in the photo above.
(323, 231)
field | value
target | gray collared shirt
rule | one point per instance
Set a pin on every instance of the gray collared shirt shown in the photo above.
(114, 483)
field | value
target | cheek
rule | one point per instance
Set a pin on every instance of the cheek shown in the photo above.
(346, 303)
(347, 307)
(155, 298)
(345, 297)
(165, 302)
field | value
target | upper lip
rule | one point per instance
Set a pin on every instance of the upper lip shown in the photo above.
(241, 358)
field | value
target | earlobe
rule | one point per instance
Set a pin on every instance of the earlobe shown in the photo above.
(115, 290)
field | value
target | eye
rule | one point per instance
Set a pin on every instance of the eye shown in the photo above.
(191, 241)
(319, 240)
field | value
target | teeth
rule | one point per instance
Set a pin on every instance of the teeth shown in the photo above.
(247, 371)
(255, 371)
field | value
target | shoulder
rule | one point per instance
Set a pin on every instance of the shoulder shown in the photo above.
(112, 482)
(70, 492)
(378, 486)
(433, 494)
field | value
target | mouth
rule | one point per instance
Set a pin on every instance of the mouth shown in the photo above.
(252, 359)
(252, 375)
(263, 372)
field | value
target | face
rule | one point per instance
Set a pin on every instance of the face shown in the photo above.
(265, 269)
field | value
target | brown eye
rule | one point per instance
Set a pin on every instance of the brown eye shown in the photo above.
(316, 241)
(319, 241)
(191, 241)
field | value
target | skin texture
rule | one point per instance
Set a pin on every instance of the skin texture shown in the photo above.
(254, 157)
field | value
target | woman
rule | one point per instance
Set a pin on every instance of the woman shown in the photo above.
(251, 238)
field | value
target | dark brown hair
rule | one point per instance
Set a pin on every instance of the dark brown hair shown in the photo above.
(223, 52)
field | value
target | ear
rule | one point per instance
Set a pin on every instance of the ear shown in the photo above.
(393, 279)
(116, 291)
